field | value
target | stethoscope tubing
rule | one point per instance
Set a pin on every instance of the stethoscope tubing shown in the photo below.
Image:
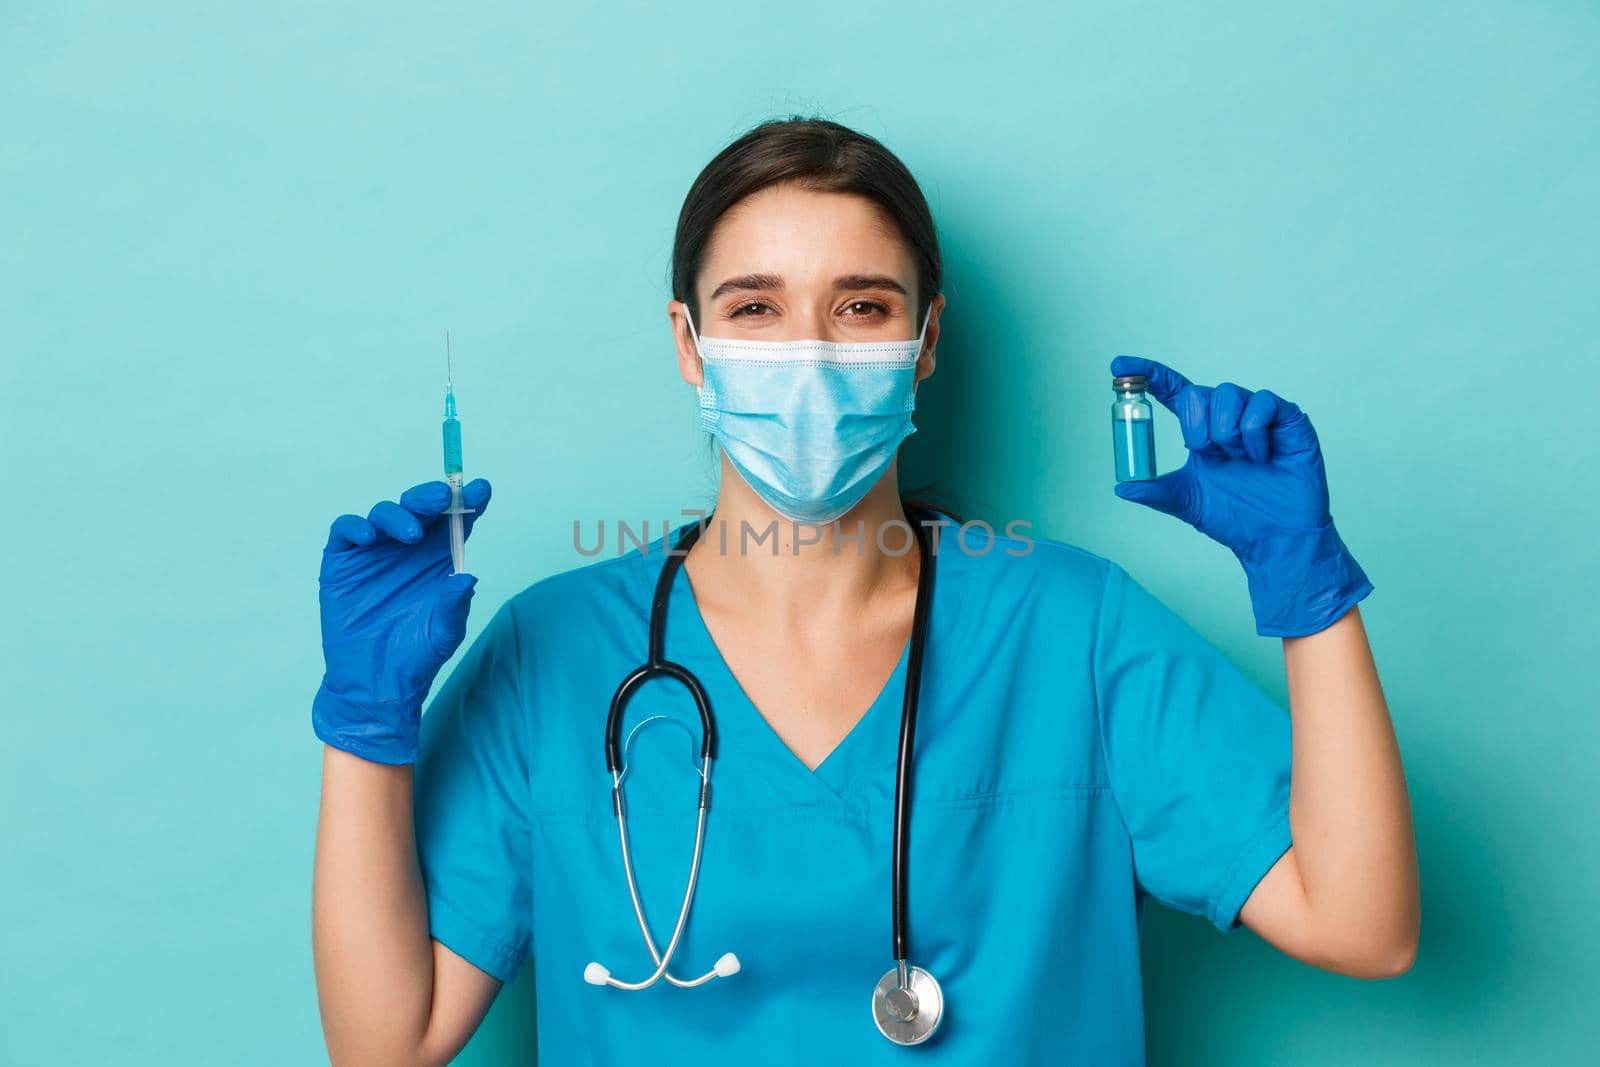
(908, 729)
(657, 665)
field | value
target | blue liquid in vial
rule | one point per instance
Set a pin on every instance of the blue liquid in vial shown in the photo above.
(1134, 443)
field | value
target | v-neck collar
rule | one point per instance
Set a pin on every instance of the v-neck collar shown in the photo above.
(747, 727)
(868, 748)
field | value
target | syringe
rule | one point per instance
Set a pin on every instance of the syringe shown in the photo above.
(452, 464)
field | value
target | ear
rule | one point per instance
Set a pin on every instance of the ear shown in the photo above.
(927, 360)
(689, 368)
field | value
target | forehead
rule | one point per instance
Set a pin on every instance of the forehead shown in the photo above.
(804, 235)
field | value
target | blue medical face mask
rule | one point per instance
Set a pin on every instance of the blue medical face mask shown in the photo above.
(810, 425)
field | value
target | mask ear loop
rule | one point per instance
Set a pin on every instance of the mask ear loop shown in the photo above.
(706, 394)
(922, 341)
(695, 337)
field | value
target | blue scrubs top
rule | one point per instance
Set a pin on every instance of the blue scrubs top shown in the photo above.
(1079, 749)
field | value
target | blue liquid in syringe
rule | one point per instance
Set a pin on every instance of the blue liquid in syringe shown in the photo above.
(1134, 443)
(452, 438)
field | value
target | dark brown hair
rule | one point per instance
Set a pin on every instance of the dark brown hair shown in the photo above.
(818, 154)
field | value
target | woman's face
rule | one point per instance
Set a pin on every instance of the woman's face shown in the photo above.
(789, 263)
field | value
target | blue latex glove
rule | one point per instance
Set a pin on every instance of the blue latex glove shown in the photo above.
(392, 615)
(1254, 482)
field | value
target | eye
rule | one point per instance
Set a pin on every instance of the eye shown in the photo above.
(744, 308)
(872, 306)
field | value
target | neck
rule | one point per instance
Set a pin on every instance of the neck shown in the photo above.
(751, 555)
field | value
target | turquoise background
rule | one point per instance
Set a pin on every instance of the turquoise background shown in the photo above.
(230, 240)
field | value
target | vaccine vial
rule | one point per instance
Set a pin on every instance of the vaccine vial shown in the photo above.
(1133, 438)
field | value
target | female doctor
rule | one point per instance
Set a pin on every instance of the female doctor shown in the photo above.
(937, 773)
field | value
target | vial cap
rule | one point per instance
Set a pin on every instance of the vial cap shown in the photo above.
(1124, 382)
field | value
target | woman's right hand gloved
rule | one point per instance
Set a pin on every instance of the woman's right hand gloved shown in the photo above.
(392, 615)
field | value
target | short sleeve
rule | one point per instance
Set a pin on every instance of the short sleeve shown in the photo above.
(1197, 754)
(471, 801)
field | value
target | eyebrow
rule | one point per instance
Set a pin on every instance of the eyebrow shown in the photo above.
(851, 282)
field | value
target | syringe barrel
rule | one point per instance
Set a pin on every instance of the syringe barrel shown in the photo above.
(452, 446)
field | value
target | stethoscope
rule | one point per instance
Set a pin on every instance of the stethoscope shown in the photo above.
(907, 1003)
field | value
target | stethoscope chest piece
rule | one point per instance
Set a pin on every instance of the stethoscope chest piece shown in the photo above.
(907, 1016)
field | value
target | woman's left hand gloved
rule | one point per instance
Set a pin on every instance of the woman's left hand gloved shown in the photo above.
(1254, 482)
